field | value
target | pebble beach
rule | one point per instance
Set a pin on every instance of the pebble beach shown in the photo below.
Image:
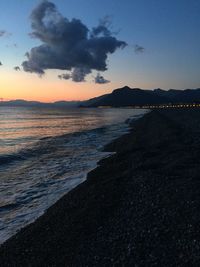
(139, 207)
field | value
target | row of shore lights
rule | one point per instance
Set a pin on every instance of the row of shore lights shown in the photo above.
(172, 106)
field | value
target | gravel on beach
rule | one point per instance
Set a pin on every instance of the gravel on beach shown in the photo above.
(139, 207)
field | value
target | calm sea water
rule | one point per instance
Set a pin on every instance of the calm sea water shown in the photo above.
(44, 153)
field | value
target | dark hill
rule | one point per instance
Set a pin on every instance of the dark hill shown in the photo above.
(121, 97)
(184, 96)
(126, 96)
(24, 103)
(93, 101)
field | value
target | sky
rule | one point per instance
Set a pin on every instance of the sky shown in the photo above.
(79, 49)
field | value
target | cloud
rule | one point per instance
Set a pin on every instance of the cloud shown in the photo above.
(79, 73)
(17, 68)
(1, 63)
(64, 76)
(4, 33)
(139, 49)
(103, 28)
(68, 45)
(100, 79)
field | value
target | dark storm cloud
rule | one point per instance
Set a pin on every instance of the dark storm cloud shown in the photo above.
(139, 49)
(17, 68)
(68, 45)
(100, 79)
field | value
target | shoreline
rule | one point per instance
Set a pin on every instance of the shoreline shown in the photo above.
(99, 142)
(138, 206)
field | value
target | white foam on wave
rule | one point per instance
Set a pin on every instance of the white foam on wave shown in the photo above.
(57, 166)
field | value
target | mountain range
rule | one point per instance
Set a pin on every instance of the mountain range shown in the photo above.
(24, 103)
(126, 96)
(123, 97)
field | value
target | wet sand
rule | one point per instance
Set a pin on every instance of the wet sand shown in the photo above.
(140, 207)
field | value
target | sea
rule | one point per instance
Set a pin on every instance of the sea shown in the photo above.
(46, 152)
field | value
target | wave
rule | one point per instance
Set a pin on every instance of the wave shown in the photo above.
(46, 145)
(6, 159)
(36, 176)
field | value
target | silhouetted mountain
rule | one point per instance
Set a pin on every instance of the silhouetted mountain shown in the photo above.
(93, 101)
(180, 96)
(24, 103)
(20, 102)
(126, 96)
(122, 97)
(66, 103)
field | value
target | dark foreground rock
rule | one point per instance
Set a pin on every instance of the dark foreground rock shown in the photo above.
(140, 207)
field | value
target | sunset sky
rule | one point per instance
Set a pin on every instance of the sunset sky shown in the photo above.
(139, 43)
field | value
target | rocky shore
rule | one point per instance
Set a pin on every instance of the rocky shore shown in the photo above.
(140, 207)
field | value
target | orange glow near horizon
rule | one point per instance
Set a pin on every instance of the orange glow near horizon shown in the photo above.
(20, 85)
(27, 86)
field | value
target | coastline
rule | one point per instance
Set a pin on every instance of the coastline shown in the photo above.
(38, 174)
(138, 207)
